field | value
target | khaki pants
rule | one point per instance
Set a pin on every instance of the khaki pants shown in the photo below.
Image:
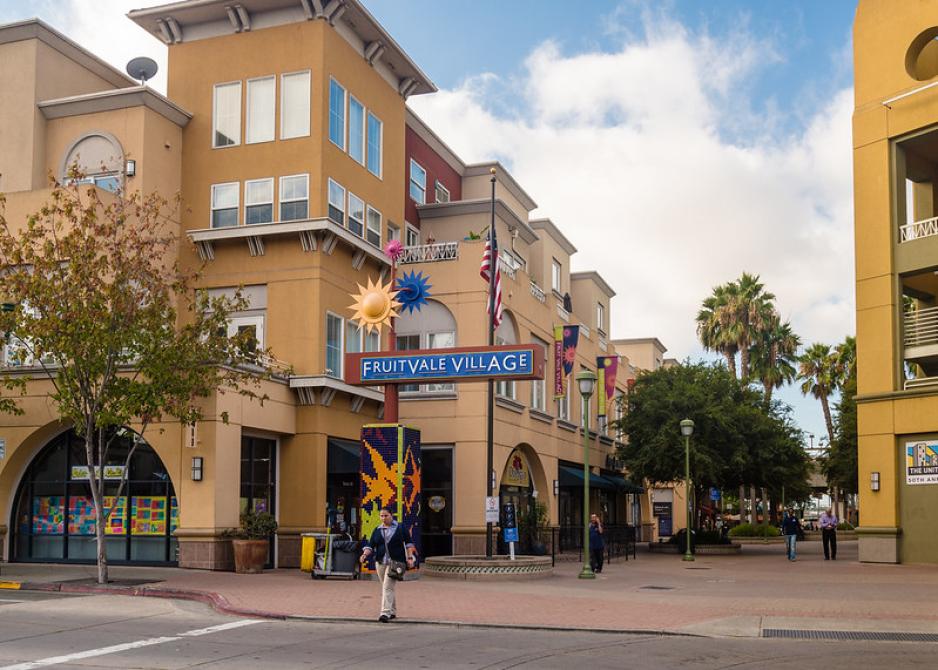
(387, 590)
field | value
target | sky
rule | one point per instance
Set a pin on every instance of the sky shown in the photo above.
(676, 143)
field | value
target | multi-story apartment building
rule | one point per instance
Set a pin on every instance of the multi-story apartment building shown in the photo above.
(286, 131)
(895, 151)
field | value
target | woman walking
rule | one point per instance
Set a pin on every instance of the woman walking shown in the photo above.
(392, 547)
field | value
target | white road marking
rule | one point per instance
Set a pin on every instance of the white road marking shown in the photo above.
(117, 648)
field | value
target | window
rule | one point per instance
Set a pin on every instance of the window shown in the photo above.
(441, 341)
(334, 345)
(225, 205)
(226, 115)
(374, 144)
(408, 343)
(108, 182)
(412, 235)
(555, 275)
(253, 326)
(261, 108)
(394, 233)
(504, 387)
(539, 386)
(337, 114)
(357, 340)
(441, 193)
(374, 227)
(601, 317)
(356, 130)
(418, 183)
(563, 404)
(356, 215)
(336, 203)
(258, 201)
(294, 105)
(294, 197)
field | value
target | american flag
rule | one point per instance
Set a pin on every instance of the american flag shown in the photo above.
(491, 252)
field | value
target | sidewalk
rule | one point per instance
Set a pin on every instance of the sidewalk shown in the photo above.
(715, 595)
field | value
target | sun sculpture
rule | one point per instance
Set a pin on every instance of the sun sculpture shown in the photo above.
(413, 291)
(375, 305)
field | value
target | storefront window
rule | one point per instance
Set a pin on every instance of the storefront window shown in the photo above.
(55, 517)
(343, 487)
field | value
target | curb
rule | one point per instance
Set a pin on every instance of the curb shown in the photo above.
(221, 605)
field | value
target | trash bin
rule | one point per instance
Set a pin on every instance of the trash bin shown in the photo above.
(307, 551)
(344, 556)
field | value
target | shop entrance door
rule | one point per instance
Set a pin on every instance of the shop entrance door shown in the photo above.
(436, 514)
(258, 480)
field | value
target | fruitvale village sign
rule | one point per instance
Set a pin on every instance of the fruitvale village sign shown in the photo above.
(462, 364)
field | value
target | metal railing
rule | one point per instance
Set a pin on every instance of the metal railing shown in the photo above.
(619, 540)
(538, 292)
(921, 381)
(430, 253)
(918, 229)
(920, 327)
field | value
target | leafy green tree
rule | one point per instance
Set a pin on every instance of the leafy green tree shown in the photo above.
(104, 314)
(716, 324)
(755, 311)
(818, 370)
(774, 356)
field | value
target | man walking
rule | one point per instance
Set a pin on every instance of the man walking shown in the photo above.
(790, 528)
(597, 544)
(828, 523)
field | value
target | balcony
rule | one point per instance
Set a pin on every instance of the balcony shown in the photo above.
(920, 342)
(430, 253)
(918, 230)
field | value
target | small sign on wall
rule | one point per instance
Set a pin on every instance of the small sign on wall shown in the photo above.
(921, 462)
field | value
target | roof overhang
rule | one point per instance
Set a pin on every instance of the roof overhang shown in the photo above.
(437, 210)
(122, 98)
(554, 232)
(596, 278)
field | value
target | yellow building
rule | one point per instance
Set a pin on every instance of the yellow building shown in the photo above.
(895, 140)
(286, 131)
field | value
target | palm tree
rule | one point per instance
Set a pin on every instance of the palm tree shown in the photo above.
(755, 312)
(845, 358)
(715, 324)
(817, 368)
(773, 356)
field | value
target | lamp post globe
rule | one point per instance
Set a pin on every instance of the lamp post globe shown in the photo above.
(586, 381)
(687, 429)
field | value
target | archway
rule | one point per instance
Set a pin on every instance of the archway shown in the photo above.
(522, 483)
(53, 513)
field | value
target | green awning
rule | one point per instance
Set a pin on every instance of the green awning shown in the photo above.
(623, 485)
(568, 476)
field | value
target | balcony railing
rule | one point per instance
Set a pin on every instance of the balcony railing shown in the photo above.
(921, 327)
(921, 381)
(430, 253)
(918, 230)
(538, 293)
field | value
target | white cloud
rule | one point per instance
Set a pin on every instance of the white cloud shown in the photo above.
(632, 153)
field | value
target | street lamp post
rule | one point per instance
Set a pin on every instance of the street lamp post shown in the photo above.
(687, 429)
(586, 380)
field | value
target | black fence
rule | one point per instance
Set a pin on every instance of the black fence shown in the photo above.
(619, 541)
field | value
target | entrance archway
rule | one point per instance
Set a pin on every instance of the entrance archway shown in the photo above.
(53, 515)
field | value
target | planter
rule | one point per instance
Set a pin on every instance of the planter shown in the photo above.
(250, 556)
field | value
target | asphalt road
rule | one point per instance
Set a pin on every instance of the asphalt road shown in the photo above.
(43, 630)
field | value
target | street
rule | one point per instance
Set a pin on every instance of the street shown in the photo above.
(49, 630)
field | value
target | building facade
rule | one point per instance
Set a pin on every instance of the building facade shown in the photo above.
(286, 131)
(895, 150)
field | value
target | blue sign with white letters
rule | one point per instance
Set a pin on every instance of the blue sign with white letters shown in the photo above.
(510, 534)
(453, 365)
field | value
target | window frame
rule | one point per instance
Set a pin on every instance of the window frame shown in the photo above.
(556, 275)
(344, 129)
(412, 183)
(411, 230)
(236, 208)
(541, 405)
(394, 232)
(215, 88)
(563, 404)
(272, 78)
(283, 103)
(601, 318)
(437, 187)
(281, 200)
(350, 218)
(257, 321)
(330, 204)
(368, 229)
(341, 347)
(364, 133)
(247, 182)
(369, 115)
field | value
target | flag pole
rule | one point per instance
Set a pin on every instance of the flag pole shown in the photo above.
(489, 467)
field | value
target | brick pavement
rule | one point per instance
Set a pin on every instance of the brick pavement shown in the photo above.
(735, 595)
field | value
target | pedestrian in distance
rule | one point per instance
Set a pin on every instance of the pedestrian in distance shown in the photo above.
(394, 553)
(791, 527)
(828, 523)
(597, 543)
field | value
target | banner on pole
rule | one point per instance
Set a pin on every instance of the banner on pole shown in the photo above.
(606, 368)
(565, 341)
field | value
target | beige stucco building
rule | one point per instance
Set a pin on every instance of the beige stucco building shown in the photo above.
(895, 150)
(286, 131)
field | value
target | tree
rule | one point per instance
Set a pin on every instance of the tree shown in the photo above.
(100, 309)
(716, 324)
(774, 356)
(755, 311)
(817, 368)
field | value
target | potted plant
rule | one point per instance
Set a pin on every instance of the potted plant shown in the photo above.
(252, 541)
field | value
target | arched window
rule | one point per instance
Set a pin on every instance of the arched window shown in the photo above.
(433, 327)
(507, 333)
(99, 157)
(54, 512)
